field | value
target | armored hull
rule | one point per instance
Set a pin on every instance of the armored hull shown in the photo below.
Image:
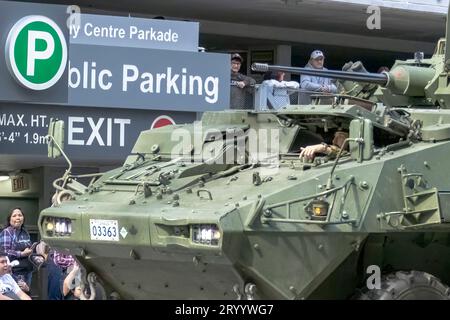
(229, 207)
(261, 237)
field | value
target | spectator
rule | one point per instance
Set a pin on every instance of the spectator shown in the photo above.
(9, 290)
(316, 83)
(240, 84)
(15, 242)
(278, 95)
(383, 69)
(72, 291)
(54, 272)
(21, 280)
(56, 264)
(64, 261)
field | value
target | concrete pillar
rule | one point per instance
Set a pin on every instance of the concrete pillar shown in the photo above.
(283, 57)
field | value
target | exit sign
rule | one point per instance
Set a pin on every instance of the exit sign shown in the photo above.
(19, 183)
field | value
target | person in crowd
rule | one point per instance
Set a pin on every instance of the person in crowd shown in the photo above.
(62, 260)
(71, 290)
(21, 280)
(317, 83)
(15, 242)
(55, 264)
(54, 273)
(9, 289)
(278, 94)
(331, 151)
(240, 84)
(383, 69)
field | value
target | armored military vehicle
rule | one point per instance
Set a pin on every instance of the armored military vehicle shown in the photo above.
(226, 209)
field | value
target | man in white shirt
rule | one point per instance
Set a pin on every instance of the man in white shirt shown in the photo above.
(278, 95)
(9, 290)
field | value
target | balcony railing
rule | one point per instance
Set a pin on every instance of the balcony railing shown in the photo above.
(262, 97)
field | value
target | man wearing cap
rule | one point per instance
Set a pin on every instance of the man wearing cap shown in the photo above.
(240, 84)
(316, 83)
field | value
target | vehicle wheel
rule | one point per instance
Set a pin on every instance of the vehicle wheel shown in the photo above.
(407, 285)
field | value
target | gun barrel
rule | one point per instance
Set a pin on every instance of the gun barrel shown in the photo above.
(378, 78)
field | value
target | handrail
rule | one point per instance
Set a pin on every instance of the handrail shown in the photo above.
(259, 207)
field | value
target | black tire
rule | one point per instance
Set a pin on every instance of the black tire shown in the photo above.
(407, 285)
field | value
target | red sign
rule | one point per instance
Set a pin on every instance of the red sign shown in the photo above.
(162, 121)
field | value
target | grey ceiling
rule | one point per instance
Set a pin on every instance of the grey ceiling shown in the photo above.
(317, 15)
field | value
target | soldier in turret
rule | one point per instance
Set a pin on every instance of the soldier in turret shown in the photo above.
(331, 150)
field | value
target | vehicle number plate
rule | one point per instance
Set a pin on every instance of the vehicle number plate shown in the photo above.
(107, 230)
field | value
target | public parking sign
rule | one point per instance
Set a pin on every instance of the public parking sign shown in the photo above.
(42, 66)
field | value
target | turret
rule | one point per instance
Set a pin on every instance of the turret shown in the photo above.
(416, 82)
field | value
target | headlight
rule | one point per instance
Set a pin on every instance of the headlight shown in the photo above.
(57, 226)
(208, 234)
(317, 209)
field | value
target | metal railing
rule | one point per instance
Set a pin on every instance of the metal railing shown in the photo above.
(261, 97)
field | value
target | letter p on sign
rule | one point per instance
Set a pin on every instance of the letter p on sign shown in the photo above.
(36, 52)
(33, 54)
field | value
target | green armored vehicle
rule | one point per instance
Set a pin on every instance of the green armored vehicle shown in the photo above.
(226, 209)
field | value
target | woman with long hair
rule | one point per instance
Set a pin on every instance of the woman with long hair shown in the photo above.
(16, 243)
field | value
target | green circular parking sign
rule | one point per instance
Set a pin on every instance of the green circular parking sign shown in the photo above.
(36, 52)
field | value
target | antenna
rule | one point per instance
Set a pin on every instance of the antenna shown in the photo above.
(447, 41)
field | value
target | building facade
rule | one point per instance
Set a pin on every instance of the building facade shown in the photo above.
(272, 31)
